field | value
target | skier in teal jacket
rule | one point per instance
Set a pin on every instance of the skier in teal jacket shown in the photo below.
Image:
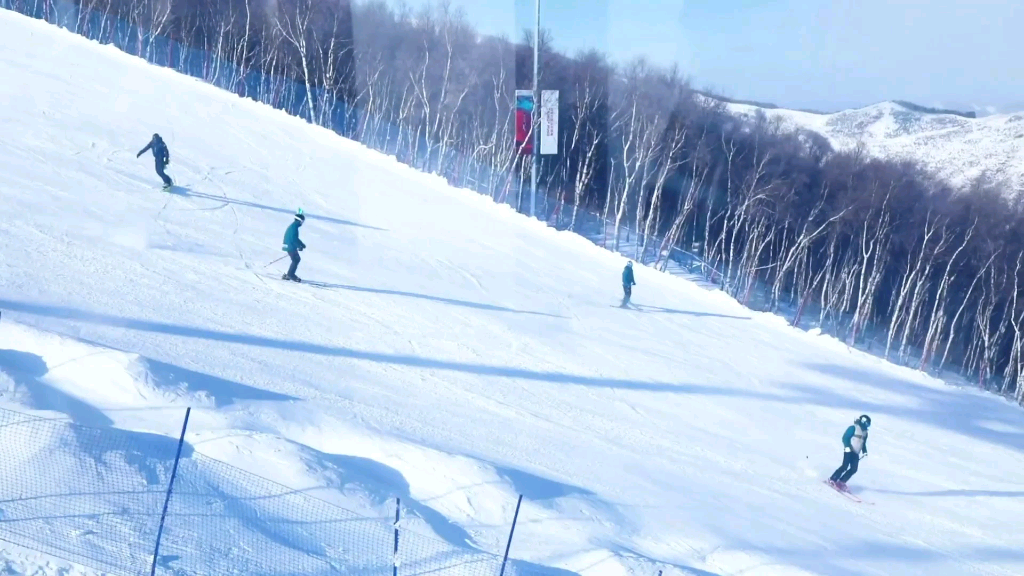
(292, 245)
(627, 283)
(855, 443)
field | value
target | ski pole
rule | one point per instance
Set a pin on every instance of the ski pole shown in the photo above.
(278, 260)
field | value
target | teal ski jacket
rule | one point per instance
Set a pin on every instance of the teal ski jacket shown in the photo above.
(291, 238)
(856, 439)
(627, 276)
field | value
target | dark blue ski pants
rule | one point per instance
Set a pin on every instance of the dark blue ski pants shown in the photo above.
(163, 175)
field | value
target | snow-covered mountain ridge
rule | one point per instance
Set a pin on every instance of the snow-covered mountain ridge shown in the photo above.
(954, 147)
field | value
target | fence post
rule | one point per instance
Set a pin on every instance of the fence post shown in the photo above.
(170, 488)
(398, 512)
(510, 533)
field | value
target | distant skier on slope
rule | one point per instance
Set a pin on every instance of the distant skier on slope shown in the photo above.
(162, 157)
(292, 245)
(627, 283)
(855, 443)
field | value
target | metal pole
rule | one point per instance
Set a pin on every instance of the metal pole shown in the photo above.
(398, 516)
(170, 488)
(278, 260)
(535, 124)
(510, 533)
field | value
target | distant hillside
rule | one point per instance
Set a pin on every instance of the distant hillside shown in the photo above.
(754, 103)
(770, 106)
(956, 146)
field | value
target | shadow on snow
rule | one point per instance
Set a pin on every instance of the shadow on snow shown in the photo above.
(193, 194)
(658, 309)
(453, 302)
(68, 313)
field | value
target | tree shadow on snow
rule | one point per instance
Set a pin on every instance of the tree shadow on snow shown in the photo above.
(94, 430)
(453, 302)
(247, 204)
(88, 477)
(384, 483)
(848, 558)
(184, 331)
(951, 409)
(542, 491)
(524, 568)
(27, 370)
(658, 309)
(619, 551)
(537, 489)
(953, 493)
(691, 571)
(222, 392)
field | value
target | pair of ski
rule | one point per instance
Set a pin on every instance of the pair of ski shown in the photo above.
(307, 282)
(846, 493)
(299, 281)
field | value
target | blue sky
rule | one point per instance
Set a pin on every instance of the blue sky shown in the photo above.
(820, 54)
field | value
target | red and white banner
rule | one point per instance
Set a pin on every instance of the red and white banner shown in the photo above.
(524, 121)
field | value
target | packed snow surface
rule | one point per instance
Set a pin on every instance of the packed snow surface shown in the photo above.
(955, 148)
(456, 353)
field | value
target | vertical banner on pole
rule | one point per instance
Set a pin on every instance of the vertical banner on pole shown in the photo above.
(549, 122)
(524, 121)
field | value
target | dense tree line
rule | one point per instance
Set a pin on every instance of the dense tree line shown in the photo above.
(927, 110)
(877, 252)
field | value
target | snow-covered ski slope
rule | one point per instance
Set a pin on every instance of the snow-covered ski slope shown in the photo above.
(456, 354)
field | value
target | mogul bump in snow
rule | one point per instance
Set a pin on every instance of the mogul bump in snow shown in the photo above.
(162, 157)
(855, 443)
(292, 245)
(627, 283)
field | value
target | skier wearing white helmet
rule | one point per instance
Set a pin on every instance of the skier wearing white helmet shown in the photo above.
(855, 443)
(292, 245)
(627, 283)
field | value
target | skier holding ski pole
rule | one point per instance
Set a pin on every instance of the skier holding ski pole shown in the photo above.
(292, 245)
(267, 265)
(855, 443)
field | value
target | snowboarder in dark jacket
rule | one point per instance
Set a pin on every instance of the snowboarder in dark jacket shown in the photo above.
(855, 443)
(162, 157)
(292, 245)
(627, 283)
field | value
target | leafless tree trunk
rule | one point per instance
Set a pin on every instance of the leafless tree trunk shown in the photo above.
(939, 303)
(960, 310)
(295, 28)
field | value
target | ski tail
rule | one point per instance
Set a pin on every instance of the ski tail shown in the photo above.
(846, 493)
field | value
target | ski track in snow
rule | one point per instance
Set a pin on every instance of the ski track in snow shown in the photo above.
(469, 353)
